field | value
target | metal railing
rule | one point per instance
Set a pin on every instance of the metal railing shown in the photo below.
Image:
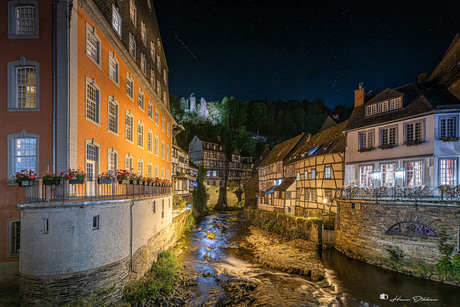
(91, 190)
(420, 193)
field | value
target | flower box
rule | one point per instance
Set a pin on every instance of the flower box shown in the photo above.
(123, 181)
(104, 181)
(449, 139)
(366, 149)
(26, 183)
(76, 181)
(51, 182)
(413, 143)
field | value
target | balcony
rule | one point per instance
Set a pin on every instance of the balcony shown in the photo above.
(92, 190)
(423, 193)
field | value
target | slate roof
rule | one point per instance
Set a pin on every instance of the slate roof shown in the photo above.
(259, 161)
(328, 123)
(192, 165)
(280, 151)
(209, 139)
(331, 140)
(418, 98)
(285, 184)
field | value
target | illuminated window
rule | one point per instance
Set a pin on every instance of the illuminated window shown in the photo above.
(388, 174)
(143, 33)
(365, 176)
(414, 173)
(448, 172)
(132, 11)
(23, 152)
(23, 85)
(152, 78)
(143, 64)
(327, 172)
(132, 45)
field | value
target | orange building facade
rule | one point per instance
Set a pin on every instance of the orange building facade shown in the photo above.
(94, 98)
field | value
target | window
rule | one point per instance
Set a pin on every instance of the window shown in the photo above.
(93, 45)
(395, 103)
(14, 237)
(328, 195)
(112, 111)
(93, 94)
(371, 110)
(149, 170)
(156, 171)
(168, 130)
(167, 177)
(150, 110)
(156, 144)
(133, 11)
(157, 117)
(154, 206)
(162, 173)
(165, 98)
(129, 122)
(388, 137)
(116, 20)
(388, 174)
(129, 163)
(22, 152)
(140, 167)
(23, 85)
(313, 195)
(152, 78)
(448, 171)
(448, 127)
(143, 33)
(162, 149)
(383, 107)
(114, 68)
(158, 63)
(129, 86)
(95, 222)
(143, 64)
(149, 141)
(414, 132)
(45, 226)
(165, 76)
(163, 124)
(140, 98)
(91, 161)
(365, 176)
(140, 134)
(327, 172)
(167, 152)
(158, 88)
(132, 45)
(366, 140)
(313, 174)
(23, 19)
(306, 175)
(414, 174)
(152, 51)
(112, 161)
(298, 176)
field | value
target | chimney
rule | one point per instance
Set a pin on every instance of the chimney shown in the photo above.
(360, 94)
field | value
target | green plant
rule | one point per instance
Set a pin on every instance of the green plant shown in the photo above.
(160, 280)
(25, 175)
(200, 198)
(178, 201)
(96, 298)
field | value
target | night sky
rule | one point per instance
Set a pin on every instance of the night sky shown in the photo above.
(301, 49)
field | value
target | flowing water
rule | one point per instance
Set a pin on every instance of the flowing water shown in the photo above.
(211, 253)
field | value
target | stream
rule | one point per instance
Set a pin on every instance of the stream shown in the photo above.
(212, 255)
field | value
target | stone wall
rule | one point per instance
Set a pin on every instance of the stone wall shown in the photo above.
(287, 225)
(72, 258)
(364, 230)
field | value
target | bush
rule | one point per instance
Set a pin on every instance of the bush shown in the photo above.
(159, 281)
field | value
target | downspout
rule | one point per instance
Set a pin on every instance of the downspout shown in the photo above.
(131, 237)
(54, 81)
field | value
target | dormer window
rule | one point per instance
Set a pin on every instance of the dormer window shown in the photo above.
(383, 106)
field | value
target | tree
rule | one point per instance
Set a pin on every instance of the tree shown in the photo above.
(200, 198)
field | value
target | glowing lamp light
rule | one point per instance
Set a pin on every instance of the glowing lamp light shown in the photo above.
(325, 201)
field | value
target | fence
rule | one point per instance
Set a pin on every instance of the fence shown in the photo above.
(91, 190)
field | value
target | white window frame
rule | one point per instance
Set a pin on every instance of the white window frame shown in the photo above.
(167, 153)
(150, 140)
(113, 62)
(129, 162)
(12, 68)
(168, 130)
(12, 150)
(150, 110)
(163, 124)
(110, 152)
(129, 84)
(371, 109)
(127, 137)
(92, 82)
(165, 76)
(416, 173)
(327, 172)
(364, 138)
(149, 170)
(395, 103)
(12, 18)
(367, 176)
(132, 45)
(163, 149)
(157, 117)
(152, 51)
(140, 98)
(116, 20)
(443, 127)
(388, 131)
(159, 63)
(443, 181)
(422, 130)
(112, 100)
(152, 78)
(389, 176)
(140, 167)
(162, 173)
(140, 134)
(156, 171)
(156, 145)
(92, 31)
